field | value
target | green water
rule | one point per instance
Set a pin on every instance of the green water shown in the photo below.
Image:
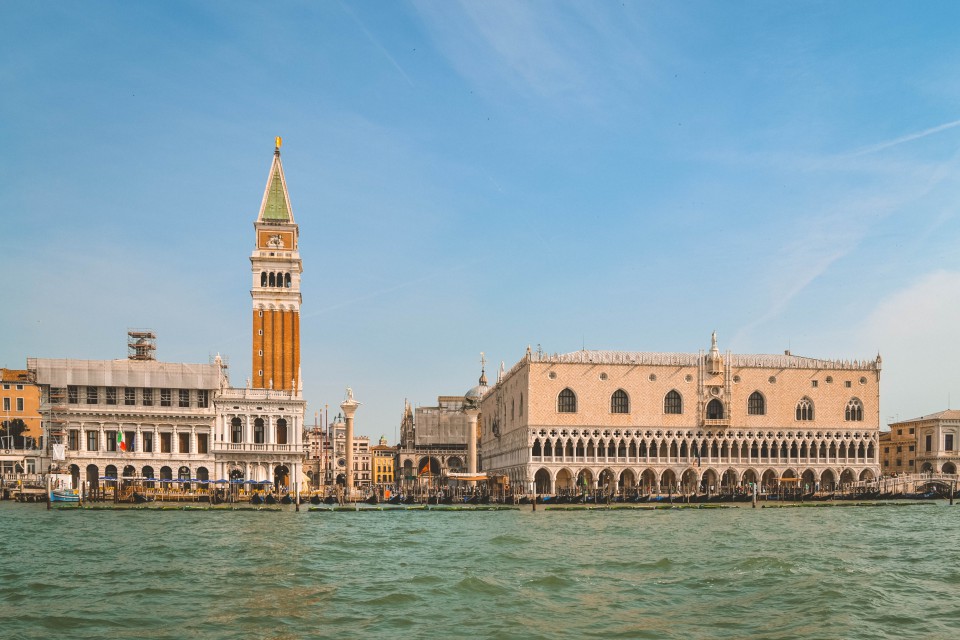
(735, 573)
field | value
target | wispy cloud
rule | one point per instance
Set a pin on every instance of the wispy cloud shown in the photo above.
(542, 54)
(880, 146)
(376, 43)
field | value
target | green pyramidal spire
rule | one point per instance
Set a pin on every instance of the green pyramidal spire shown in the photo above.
(276, 202)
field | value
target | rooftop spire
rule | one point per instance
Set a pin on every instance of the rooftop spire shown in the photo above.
(483, 373)
(276, 201)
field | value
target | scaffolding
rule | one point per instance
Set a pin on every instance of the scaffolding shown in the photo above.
(141, 344)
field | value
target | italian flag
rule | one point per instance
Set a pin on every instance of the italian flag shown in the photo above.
(121, 442)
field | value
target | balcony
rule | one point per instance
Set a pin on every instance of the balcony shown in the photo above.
(247, 447)
(720, 423)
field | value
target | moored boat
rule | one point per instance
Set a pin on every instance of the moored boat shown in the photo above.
(64, 495)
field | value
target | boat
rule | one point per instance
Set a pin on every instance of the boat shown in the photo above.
(65, 495)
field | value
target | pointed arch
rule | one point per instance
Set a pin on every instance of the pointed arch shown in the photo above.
(854, 411)
(805, 409)
(619, 402)
(673, 402)
(756, 404)
(567, 401)
(715, 410)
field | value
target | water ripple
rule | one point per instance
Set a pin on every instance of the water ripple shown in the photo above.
(719, 574)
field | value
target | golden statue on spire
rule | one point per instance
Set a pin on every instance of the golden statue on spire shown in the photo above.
(279, 142)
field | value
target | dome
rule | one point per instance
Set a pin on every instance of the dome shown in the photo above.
(473, 397)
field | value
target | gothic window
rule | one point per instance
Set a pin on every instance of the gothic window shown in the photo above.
(521, 405)
(619, 402)
(567, 402)
(673, 403)
(854, 412)
(756, 405)
(805, 409)
(715, 410)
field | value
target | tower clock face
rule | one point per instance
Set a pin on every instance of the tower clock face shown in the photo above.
(341, 462)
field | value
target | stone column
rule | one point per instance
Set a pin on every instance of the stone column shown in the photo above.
(472, 413)
(349, 408)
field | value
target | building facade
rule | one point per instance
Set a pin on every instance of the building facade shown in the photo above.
(433, 442)
(334, 458)
(124, 418)
(21, 452)
(898, 450)
(20, 400)
(681, 422)
(928, 444)
(383, 458)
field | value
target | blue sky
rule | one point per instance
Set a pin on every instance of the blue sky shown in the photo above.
(481, 176)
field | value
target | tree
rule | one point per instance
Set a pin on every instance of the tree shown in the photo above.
(11, 433)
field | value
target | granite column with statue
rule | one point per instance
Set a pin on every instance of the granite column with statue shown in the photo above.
(349, 408)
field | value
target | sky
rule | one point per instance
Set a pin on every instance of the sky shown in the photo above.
(482, 176)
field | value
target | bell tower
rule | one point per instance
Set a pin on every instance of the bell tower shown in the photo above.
(276, 268)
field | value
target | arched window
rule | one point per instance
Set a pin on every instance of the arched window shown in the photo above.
(236, 431)
(263, 278)
(282, 431)
(756, 405)
(805, 409)
(258, 431)
(854, 411)
(714, 410)
(521, 405)
(513, 406)
(673, 403)
(619, 402)
(286, 281)
(273, 279)
(567, 401)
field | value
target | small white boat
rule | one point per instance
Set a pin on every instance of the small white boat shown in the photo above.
(65, 495)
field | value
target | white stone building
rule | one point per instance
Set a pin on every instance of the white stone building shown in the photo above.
(681, 422)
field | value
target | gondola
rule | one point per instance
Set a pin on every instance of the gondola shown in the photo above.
(395, 499)
(140, 498)
(270, 499)
(286, 499)
(329, 500)
(372, 499)
(256, 499)
(315, 499)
